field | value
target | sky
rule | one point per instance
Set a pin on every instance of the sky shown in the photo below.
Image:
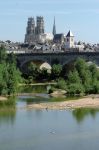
(79, 16)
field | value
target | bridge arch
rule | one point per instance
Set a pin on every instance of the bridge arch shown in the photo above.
(87, 59)
(41, 63)
(35, 60)
(61, 58)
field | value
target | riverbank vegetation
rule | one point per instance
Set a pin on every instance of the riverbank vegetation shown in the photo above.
(80, 79)
(10, 75)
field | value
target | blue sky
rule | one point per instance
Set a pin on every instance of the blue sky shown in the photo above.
(81, 16)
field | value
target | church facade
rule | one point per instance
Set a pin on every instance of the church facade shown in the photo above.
(34, 30)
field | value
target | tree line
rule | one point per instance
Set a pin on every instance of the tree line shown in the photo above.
(10, 75)
(81, 78)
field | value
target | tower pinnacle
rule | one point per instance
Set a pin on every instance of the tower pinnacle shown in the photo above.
(54, 27)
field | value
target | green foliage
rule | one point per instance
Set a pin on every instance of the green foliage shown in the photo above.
(44, 74)
(61, 84)
(73, 77)
(14, 77)
(85, 77)
(11, 58)
(75, 88)
(35, 73)
(3, 55)
(33, 70)
(81, 79)
(94, 71)
(10, 76)
(3, 79)
(56, 71)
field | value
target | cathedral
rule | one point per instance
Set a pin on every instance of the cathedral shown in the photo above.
(34, 30)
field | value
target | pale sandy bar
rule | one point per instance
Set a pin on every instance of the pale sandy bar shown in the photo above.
(3, 98)
(86, 102)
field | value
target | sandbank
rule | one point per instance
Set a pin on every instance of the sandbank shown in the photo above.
(91, 101)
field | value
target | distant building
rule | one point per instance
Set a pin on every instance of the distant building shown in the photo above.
(34, 31)
(30, 31)
(46, 37)
(39, 25)
(69, 40)
(70, 44)
(58, 38)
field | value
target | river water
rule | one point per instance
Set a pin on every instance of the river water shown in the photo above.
(22, 129)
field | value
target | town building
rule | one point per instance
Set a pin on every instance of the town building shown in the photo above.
(46, 37)
(69, 40)
(58, 38)
(30, 31)
(33, 31)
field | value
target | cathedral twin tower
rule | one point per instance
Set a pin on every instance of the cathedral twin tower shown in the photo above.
(33, 31)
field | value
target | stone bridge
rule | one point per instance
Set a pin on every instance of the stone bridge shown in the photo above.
(61, 58)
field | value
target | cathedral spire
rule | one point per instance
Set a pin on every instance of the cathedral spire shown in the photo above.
(54, 27)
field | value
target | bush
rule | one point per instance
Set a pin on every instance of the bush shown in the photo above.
(75, 88)
(61, 84)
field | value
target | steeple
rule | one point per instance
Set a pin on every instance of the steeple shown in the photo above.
(54, 27)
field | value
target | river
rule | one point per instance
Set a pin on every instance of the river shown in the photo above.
(23, 129)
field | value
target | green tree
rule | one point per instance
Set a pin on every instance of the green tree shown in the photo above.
(75, 88)
(73, 77)
(10, 76)
(33, 70)
(11, 58)
(61, 84)
(84, 74)
(94, 71)
(3, 76)
(80, 65)
(56, 71)
(14, 78)
(74, 83)
(3, 55)
(44, 74)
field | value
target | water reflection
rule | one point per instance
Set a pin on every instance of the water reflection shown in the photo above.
(81, 113)
(8, 110)
(33, 89)
(7, 115)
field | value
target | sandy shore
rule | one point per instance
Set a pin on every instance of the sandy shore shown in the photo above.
(3, 98)
(86, 102)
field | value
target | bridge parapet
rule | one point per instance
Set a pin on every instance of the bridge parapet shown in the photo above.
(62, 58)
